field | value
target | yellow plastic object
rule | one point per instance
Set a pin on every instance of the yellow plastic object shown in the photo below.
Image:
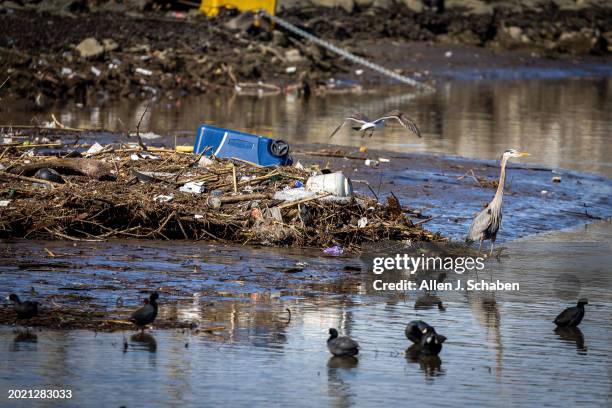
(211, 7)
(184, 149)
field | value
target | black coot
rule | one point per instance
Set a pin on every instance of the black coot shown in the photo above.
(146, 314)
(572, 316)
(431, 343)
(416, 329)
(341, 346)
(25, 310)
(424, 337)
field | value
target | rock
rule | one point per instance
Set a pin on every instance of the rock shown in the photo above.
(607, 37)
(109, 44)
(241, 22)
(347, 5)
(512, 37)
(476, 7)
(89, 47)
(580, 42)
(293, 55)
(414, 5)
(515, 33)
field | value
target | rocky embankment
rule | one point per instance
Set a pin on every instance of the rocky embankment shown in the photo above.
(79, 50)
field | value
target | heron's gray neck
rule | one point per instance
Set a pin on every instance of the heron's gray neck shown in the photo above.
(502, 180)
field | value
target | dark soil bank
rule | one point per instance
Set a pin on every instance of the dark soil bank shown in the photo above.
(78, 51)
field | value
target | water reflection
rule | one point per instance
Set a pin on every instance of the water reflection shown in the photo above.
(572, 335)
(431, 366)
(563, 123)
(24, 340)
(338, 381)
(143, 341)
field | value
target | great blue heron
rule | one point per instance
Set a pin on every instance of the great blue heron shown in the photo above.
(369, 126)
(487, 222)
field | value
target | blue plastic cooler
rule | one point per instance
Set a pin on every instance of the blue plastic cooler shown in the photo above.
(245, 146)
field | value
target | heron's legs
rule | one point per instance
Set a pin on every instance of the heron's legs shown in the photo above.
(491, 252)
(371, 132)
(479, 246)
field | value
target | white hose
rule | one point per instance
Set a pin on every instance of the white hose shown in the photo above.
(351, 57)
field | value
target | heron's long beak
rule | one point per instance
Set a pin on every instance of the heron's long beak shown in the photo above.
(524, 154)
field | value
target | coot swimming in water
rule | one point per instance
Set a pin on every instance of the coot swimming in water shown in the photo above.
(424, 337)
(572, 316)
(341, 346)
(416, 329)
(25, 310)
(146, 314)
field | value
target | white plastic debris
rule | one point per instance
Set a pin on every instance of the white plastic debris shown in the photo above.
(162, 198)
(362, 222)
(95, 71)
(4, 203)
(198, 216)
(359, 72)
(335, 183)
(372, 163)
(144, 155)
(293, 194)
(146, 135)
(195, 187)
(291, 70)
(143, 71)
(94, 149)
(448, 54)
(66, 71)
(383, 160)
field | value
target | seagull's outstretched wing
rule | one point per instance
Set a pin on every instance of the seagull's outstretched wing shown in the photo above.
(356, 118)
(404, 120)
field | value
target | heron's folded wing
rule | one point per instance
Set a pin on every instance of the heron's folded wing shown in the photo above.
(480, 224)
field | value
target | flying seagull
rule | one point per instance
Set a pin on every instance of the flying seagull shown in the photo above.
(366, 125)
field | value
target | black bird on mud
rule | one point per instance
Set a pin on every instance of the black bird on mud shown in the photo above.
(146, 314)
(25, 310)
(572, 316)
(425, 338)
(341, 346)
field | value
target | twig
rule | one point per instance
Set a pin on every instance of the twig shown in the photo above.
(140, 143)
(302, 201)
(30, 179)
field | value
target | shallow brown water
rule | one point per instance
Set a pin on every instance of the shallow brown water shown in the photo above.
(501, 348)
(564, 123)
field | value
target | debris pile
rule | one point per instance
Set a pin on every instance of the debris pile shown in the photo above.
(125, 191)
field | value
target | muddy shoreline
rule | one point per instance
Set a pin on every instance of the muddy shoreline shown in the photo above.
(90, 56)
